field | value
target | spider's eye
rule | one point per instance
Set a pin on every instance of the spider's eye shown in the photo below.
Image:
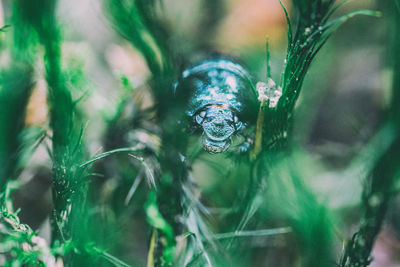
(202, 114)
(235, 119)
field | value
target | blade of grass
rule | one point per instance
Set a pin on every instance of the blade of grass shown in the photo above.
(254, 233)
(108, 153)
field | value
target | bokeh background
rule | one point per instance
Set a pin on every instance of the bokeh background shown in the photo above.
(339, 111)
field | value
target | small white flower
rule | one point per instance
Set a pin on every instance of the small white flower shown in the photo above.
(269, 91)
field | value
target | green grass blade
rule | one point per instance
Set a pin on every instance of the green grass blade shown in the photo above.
(108, 153)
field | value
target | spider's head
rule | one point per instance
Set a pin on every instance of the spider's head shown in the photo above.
(219, 123)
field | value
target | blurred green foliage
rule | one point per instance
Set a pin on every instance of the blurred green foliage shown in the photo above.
(154, 196)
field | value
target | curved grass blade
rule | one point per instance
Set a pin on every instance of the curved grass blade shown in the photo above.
(108, 153)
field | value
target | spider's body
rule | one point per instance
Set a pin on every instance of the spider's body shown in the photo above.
(220, 92)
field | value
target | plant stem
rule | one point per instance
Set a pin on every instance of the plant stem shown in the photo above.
(378, 190)
(259, 131)
(69, 185)
(16, 86)
(377, 195)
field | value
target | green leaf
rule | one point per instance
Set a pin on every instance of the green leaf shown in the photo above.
(155, 219)
(289, 33)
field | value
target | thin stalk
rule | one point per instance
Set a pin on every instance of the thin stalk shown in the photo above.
(378, 190)
(150, 254)
(259, 131)
(254, 233)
